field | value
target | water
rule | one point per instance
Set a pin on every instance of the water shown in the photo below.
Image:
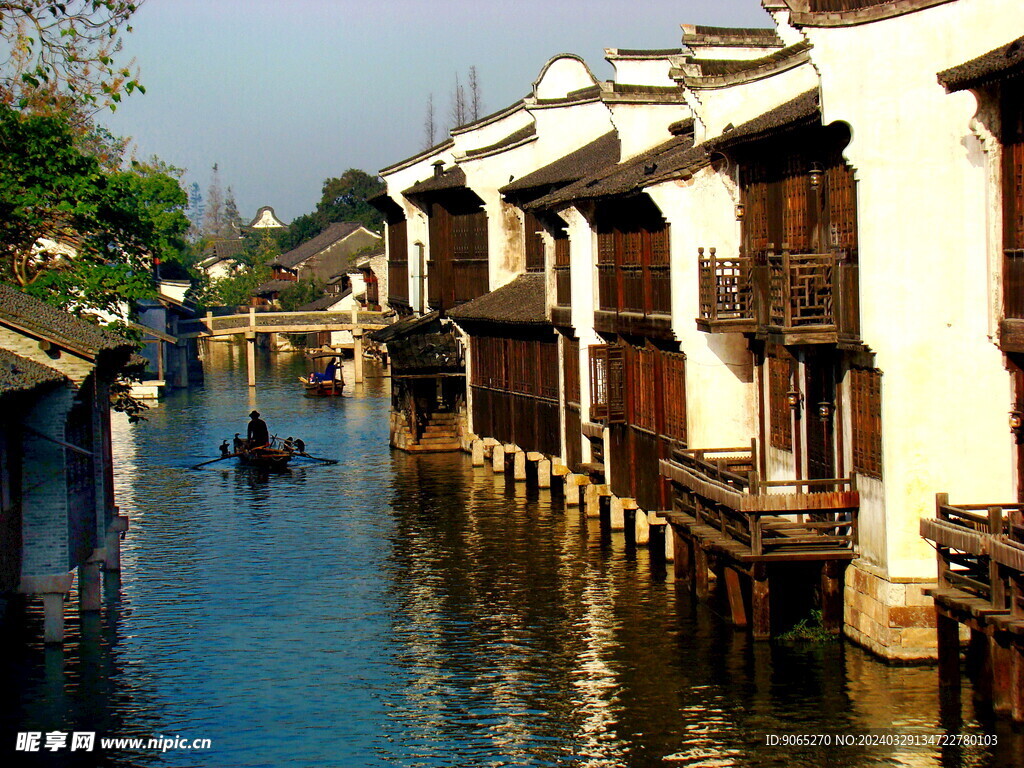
(414, 611)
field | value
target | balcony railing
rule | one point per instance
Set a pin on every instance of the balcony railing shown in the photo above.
(720, 489)
(797, 298)
(726, 292)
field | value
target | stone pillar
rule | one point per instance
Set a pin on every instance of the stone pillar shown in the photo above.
(498, 459)
(112, 546)
(670, 544)
(90, 582)
(477, 452)
(357, 353)
(643, 528)
(518, 464)
(617, 518)
(250, 357)
(573, 482)
(543, 473)
(53, 589)
(592, 499)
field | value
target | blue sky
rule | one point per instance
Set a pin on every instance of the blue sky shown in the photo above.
(287, 93)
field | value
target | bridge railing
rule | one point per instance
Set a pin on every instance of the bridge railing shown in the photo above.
(267, 322)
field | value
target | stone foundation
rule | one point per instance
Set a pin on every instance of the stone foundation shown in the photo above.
(892, 618)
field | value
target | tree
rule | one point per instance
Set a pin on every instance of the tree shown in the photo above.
(345, 199)
(475, 104)
(196, 207)
(429, 124)
(458, 108)
(300, 293)
(62, 53)
(232, 219)
(213, 216)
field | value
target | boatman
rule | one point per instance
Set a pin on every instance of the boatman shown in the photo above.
(258, 434)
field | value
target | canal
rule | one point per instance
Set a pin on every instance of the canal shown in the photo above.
(398, 610)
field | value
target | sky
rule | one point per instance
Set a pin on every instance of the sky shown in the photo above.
(284, 94)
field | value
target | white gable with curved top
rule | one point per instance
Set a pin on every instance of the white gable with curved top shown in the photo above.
(561, 76)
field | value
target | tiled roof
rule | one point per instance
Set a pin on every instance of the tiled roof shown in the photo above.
(721, 67)
(588, 159)
(428, 323)
(450, 179)
(336, 232)
(644, 53)
(221, 250)
(1004, 61)
(272, 286)
(36, 318)
(673, 159)
(521, 302)
(848, 13)
(325, 302)
(803, 110)
(729, 36)
(513, 138)
(18, 374)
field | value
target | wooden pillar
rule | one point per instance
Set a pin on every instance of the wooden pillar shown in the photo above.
(979, 656)
(160, 372)
(1002, 676)
(700, 575)
(1017, 684)
(831, 596)
(734, 590)
(683, 564)
(760, 603)
(948, 632)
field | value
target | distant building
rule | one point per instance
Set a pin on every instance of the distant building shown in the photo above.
(57, 510)
(220, 259)
(266, 219)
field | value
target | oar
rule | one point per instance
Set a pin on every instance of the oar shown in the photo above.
(220, 458)
(317, 458)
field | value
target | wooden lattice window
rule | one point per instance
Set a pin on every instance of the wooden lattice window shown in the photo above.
(866, 416)
(571, 370)
(674, 394)
(641, 377)
(779, 413)
(534, 243)
(616, 384)
(563, 278)
(598, 354)
(796, 230)
(547, 369)
(841, 207)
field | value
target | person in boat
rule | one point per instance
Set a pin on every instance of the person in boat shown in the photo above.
(327, 375)
(258, 434)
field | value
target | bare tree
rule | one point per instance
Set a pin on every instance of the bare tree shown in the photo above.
(475, 105)
(458, 113)
(213, 216)
(429, 124)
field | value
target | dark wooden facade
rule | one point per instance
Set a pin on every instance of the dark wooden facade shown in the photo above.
(457, 270)
(1012, 121)
(573, 400)
(796, 279)
(633, 268)
(515, 390)
(398, 260)
(640, 393)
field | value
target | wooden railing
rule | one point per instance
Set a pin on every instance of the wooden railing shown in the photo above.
(775, 519)
(726, 288)
(563, 287)
(980, 550)
(278, 322)
(1013, 283)
(800, 289)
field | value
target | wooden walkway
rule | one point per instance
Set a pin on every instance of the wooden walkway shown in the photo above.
(729, 521)
(980, 554)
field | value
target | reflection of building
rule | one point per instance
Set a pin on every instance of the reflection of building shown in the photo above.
(57, 373)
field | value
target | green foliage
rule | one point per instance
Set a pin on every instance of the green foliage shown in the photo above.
(259, 249)
(302, 292)
(809, 630)
(60, 55)
(342, 199)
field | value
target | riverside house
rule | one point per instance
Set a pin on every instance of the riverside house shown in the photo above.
(778, 272)
(56, 474)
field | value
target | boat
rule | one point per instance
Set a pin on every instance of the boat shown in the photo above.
(265, 458)
(326, 379)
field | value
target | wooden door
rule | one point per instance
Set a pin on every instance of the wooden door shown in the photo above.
(819, 416)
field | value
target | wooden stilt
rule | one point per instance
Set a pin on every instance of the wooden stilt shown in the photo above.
(980, 665)
(700, 565)
(683, 563)
(1017, 684)
(760, 604)
(735, 593)
(1002, 679)
(831, 596)
(948, 632)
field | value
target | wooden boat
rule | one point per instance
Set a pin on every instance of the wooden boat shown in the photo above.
(265, 458)
(326, 379)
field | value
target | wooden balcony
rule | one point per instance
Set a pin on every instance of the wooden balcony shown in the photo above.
(1011, 329)
(808, 298)
(726, 285)
(787, 298)
(721, 500)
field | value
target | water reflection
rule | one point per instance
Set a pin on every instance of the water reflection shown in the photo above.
(397, 610)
